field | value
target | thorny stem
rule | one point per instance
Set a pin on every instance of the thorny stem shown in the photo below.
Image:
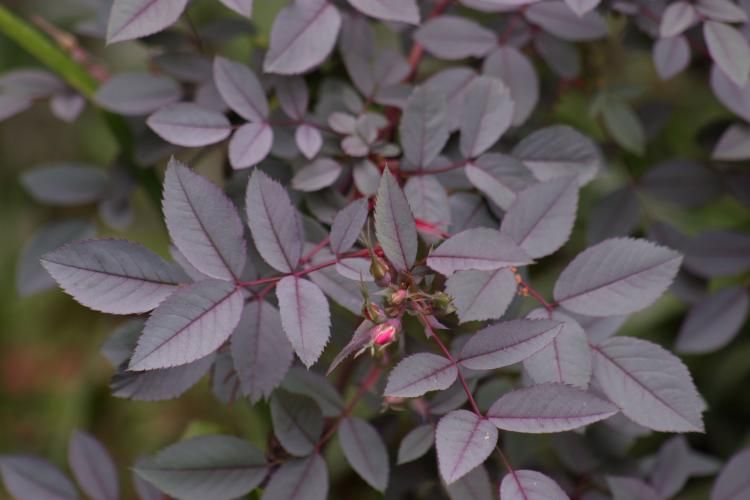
(450, 357)
(366, 385)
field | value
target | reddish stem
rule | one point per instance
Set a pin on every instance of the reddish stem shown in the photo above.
(450, 357)
(320, 246)
(417, 51)
(534, 293)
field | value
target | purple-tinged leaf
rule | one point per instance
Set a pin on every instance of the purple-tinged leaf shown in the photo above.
(347, 225)
(187, 124)
(319, 174)
(558, 151)
(161, 384)
(671, 56)
(566, 359)
(615, 214)
(305, 317)
(67, 106)
(562, 57)
(31, 277)
(112, 276)
(733, 483)
(486, 115)
(395, 227)
(260, 351)
(469, 211)
(129, 19)
(624, 125)
(734, 144)
(507, 343)
(144, 489)
(93, 467)
(452, 37)
(293, 95)
(297, 422)
(241, 7)
(420, 373)
(672, 467)
(182, 65)
(452, 82)
(464, 441)
(240, 89)
(516, 71)
(342, 290)
(499, 177)
(481, 295)
(299, 479)
(217, 467)
(677, 17)
(29, 477)
(416, 443)
(12, 104)
(250, 145)
(718, 253)
(65, 184)
(30, 83)
(309, 140)
(729, 49)
(600, 329)
(360, 338)
(302, 36)
(616, 276)
(137, 93)
(274, 222)
(721, 10)
(548, 408)
(558, 19)
(736, 98)
(581, 7)
(478, 249)
(203, 223)
(651, 386)
(316, 386)
(424, 126)
(541, 218)
(365, 451)
(406, 11)
(192, 323)
(713, 322)
(530, 485)
(429, 202)
(631, 488)
(475, 485)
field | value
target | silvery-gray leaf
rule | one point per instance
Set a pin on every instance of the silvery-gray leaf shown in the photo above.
(297, 422)
(302, 381)
(671, 56)
(299, 479)
(651, 386)
(499, 177)
(260, 351)
(464, 441)
(129, 19)
(365, 451)
(713, 322)
(487, 113)
(416, 443)
(677, 17)
(187, 124)
(192, 323)
(732, 482)
(729, 49)
(104, 274)
(453, 82)
(11, 105)
(515, 70)
(615, 214)
(161, 384)
(241, 7)
(682, 182)
(530, 485)
(302, 36)
(65, 184)
(360, 338)
(26, 476)
(274, 222)
(344, 291)
(718, 253)
(428, 201)
(721, 10)
(453, 37)
(240, 89)
(481, 295)
(424, 126)
(67, 106)
(137, 93)
(250, 144)
(305, 317)
(31, 277)
(734, 144)
(558, 19)
(93, 467)
(293, 95)
(317, 175)
(731, 95)
(347, 225)
(616, 276)
(624, 125)
(406, 11)
(214, 466)
(394, 223)
(672, 467)
(479, 249)
(309, 140)
(562, 57)
(419, 373)
(558, 151)
(203, 223)
(581, 7)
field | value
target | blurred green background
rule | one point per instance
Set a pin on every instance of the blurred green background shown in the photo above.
(52, 379)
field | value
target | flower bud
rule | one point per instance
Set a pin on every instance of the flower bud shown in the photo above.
(385, 333)
(398, 297)
(373, 312)
(442, 301)
(380, 271)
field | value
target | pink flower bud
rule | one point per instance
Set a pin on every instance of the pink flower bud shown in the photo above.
(385, 333)
(399, 296)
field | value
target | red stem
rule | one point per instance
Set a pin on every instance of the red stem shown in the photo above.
(549, 306)
(450, 357)
(320, 246)
(417, 51)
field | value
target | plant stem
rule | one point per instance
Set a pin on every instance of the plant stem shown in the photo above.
(417, 51)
